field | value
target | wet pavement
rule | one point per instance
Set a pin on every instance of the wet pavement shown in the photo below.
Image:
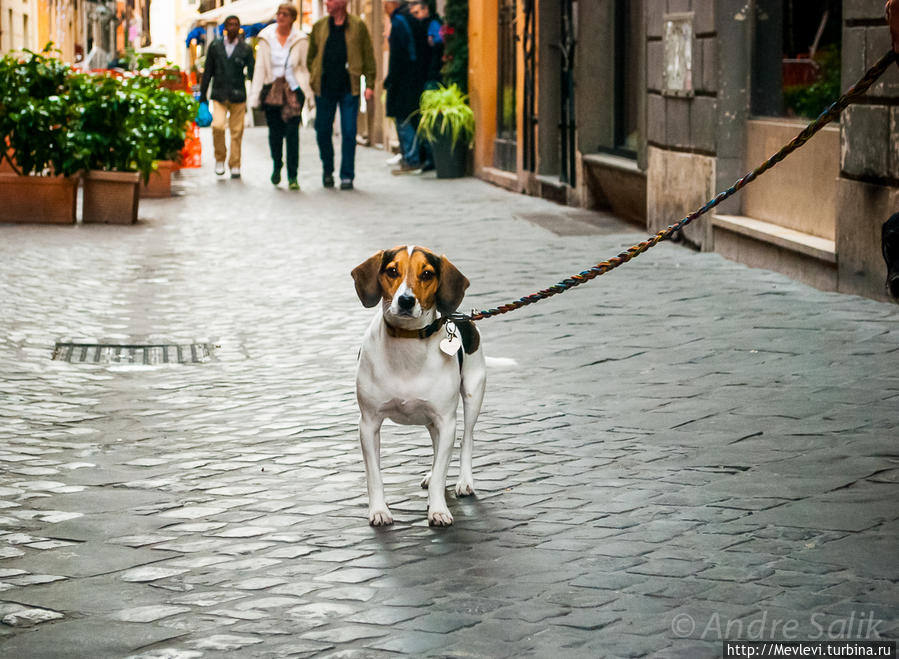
(685, 451)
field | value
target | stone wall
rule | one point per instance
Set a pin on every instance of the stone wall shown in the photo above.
(681, 129)
(869, 152)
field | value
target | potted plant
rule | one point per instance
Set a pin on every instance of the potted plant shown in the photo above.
(7, 158)
(172, 111)
(40, 183)
(113, 132)
(447, 122)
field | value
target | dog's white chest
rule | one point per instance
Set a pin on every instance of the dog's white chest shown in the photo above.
(410, 381)
(409, 387)
(408, 411)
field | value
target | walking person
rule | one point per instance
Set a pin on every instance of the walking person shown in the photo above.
(228, 63)
(432, 24)
(405, 81)
(340, 51)
(281, 86)
(422, 12)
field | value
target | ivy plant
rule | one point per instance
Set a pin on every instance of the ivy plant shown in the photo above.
(455, 36)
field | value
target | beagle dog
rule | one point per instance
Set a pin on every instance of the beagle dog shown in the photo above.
(413, 366)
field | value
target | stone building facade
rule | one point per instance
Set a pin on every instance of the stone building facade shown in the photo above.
(651, 107)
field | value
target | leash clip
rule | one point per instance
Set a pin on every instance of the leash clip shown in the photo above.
(458, 317)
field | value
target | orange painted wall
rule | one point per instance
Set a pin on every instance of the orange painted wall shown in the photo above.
(482, 53)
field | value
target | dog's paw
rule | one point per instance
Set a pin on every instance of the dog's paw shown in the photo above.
(426, 481)
(440, 518)
(380, 517)
(464, 487)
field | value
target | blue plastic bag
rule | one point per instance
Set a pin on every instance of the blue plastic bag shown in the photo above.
(204, 116)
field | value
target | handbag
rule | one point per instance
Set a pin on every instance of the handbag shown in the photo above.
(204, 116)
(264, 93)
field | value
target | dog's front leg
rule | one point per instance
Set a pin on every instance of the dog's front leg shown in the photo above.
(474, 382)
(370, 439)
(434, 440)
(438, 513)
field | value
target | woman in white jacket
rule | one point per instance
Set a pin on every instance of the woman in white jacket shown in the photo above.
(281, 85)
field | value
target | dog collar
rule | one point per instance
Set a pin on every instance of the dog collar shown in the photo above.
(422, 333)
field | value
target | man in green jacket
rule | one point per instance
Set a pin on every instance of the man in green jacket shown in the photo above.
(340, 51)
(226, 62)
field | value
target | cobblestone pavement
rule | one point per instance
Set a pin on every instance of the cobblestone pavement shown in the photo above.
(687, 450)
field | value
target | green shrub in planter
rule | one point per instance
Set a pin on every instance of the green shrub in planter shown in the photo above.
(60, 122)
(446, 110)
(112, 130)
(35, 113)
(170, 112)
(447, 122)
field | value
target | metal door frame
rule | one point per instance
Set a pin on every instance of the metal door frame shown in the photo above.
(567, 124)
(505, 143)
(529, 107)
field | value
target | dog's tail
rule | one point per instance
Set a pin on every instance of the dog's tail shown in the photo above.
(501, 363)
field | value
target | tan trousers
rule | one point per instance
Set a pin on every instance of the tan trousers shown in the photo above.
(232, 116)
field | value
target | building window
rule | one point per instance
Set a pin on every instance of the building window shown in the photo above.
(796, 57)
(628, 59)
(505, 146)
(506, 118)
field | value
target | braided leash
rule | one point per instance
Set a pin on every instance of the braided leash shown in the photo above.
(831, 113)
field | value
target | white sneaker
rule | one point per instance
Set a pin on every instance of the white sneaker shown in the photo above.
(235, 172)
(396, 160)
(219, 168)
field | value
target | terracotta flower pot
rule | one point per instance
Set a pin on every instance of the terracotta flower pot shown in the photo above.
(43, 199)
(5, 166)
(110, 197)
(160, 184)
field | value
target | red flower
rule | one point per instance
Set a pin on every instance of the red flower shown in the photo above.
(447, 30)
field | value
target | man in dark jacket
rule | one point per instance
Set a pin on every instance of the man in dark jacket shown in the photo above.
(405, 81)
(226, 63)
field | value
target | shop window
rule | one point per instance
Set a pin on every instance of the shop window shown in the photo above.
(796, 57)
(628, 60)
(505, 151)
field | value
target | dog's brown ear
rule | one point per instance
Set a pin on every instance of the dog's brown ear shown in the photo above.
(366, 277)
(452, 287)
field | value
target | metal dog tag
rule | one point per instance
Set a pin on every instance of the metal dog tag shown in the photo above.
(451, 345)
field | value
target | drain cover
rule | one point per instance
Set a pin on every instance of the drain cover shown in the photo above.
(105, 353)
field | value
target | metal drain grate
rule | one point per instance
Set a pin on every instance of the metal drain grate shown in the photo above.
(105, 353)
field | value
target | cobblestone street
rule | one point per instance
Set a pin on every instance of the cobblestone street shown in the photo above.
(686, 451)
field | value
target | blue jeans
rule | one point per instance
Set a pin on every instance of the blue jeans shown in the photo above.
(325, 109)
(409, 143)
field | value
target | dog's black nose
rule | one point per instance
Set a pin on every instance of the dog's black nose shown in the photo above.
(406, 301)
